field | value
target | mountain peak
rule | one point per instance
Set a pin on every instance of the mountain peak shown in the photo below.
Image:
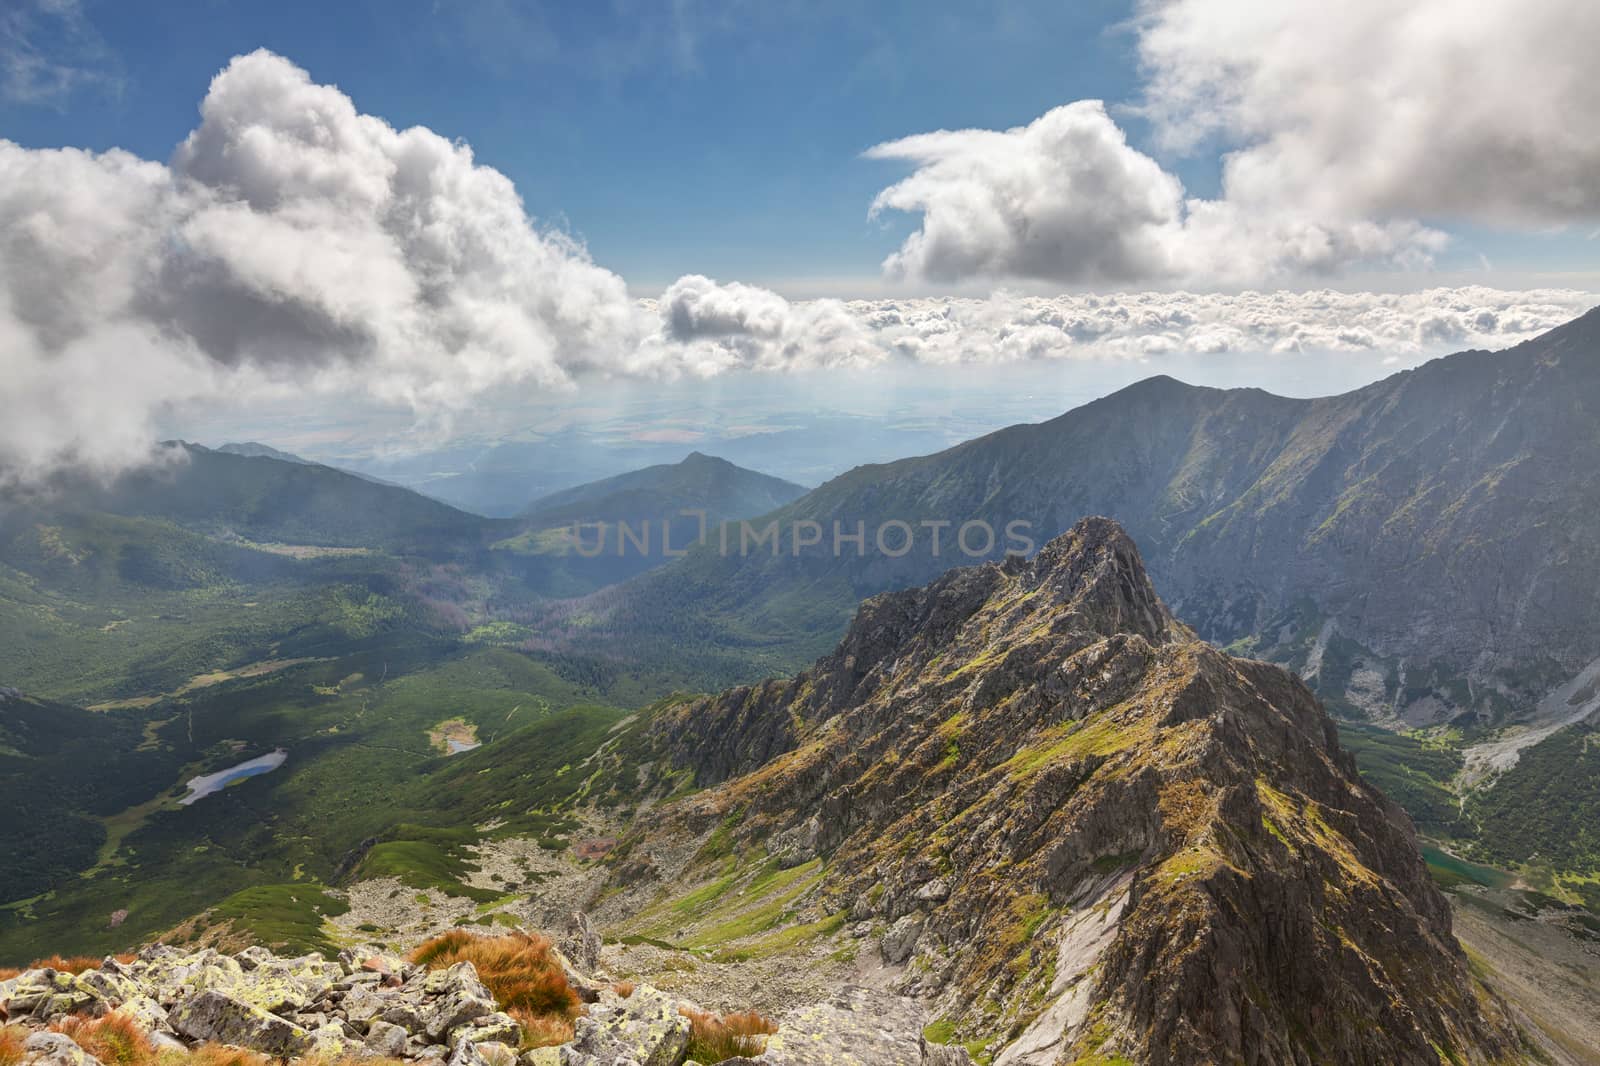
(1045, 796)
(1095, 567)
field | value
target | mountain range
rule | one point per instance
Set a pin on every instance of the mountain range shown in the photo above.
(1420, 548)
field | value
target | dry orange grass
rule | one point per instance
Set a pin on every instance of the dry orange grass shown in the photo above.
(7, 973)
(116, 1039)
(74, 964)
(519, 969)
(623, 988)
(712, 1039)
(11, 1038)
(542, 1030)
(223, 1055)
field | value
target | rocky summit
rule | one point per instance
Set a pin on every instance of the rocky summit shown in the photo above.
(1074, 832)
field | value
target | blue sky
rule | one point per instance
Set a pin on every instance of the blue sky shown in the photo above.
(1300, 194)
(674, 138)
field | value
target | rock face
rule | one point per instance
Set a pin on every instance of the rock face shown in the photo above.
(1081, 831)
(54, 1049)
(857, 1027)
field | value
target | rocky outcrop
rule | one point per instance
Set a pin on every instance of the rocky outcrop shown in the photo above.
(1078, 830)
(216, 1017)
(643, 1029)
(858, 1027)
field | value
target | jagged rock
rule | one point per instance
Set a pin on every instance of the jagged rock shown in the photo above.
(643, 1030)
(54, 1049)
(492, 1053)
(901, 939)
(462, 977)
(150, 1015)
(216, 1016)
(540, 1056)
(361, 1005)
(581, 942)
(108, 984)
(332, 1042)
(469, 1052)
(407, 1016)
(386, 1039)
(454, 1010)
(497, 1027)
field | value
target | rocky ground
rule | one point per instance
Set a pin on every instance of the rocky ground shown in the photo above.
(369, 1005)
(1539, 964)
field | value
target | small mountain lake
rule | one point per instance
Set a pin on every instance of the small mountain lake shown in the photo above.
(201, 787)
(459, 746)
(1450, 869)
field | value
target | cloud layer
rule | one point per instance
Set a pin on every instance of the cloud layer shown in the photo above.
(295, 245)
(1350, 132)
(291, 240)
(755, 328)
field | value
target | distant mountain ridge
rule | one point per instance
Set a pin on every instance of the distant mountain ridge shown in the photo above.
(256, 450)
(1419, 548)
(594, 535)
(267, 498)
(656, 493)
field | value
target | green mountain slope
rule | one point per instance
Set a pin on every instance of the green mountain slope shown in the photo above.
(1418, 548)
(270, 500)
(700, 482)
(633, 522)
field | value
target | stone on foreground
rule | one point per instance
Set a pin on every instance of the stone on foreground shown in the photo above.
(857, 1027)
(643, 1030)
(213, 1016)
(54, 1049)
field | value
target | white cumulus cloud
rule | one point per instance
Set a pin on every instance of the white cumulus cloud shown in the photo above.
(1067, 199)
(293, 240)
(1434, 109)
(1351, 134)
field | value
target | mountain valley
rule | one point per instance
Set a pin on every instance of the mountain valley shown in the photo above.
(999, 803)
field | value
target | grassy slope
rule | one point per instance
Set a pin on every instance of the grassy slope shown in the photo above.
(360, 769)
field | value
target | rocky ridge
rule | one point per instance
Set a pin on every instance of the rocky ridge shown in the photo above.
(1070, 828)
